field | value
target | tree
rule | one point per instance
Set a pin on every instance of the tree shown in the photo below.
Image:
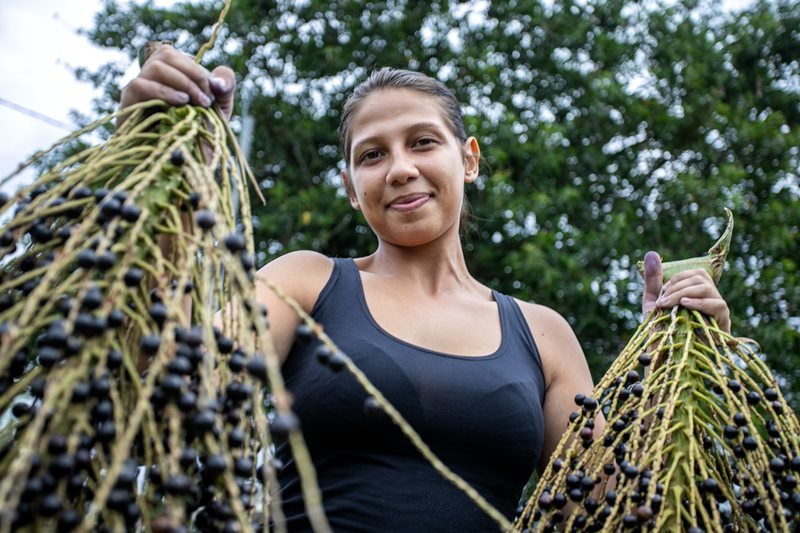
(608, 129)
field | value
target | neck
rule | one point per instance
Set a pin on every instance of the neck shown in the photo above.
(435, 267)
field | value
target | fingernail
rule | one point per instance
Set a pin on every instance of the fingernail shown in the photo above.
(218, 84)
(182, 97)
(661, 301)
(205, 101)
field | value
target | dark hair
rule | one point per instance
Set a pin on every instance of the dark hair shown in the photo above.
(391, 78)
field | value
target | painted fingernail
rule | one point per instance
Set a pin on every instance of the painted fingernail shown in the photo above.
(218, 84)
(205, 101)
(182, 97)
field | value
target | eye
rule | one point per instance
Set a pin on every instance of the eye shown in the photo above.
(425, 141)
(369, 155)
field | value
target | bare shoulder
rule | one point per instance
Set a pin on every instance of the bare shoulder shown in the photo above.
(545, 323)
(301, 274)
(558, 346)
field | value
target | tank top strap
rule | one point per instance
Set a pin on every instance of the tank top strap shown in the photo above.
(342, 282)
(515, 326)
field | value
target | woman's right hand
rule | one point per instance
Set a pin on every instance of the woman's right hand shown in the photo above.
(174, 77)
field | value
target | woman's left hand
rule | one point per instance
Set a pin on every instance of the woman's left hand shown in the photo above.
(693, 289)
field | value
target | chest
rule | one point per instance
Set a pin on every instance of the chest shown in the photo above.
(451, 324)
(465, 408)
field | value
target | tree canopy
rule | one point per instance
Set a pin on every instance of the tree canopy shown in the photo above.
(608, 128)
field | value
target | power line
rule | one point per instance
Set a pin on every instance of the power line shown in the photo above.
(35, 114)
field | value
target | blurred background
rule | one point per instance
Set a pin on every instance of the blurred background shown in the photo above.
(609, 129)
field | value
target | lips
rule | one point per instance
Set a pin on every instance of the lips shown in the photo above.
(409, 202)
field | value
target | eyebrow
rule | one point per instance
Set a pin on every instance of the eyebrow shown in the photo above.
(410, 127)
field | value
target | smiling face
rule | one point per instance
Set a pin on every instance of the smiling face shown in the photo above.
(407, 170)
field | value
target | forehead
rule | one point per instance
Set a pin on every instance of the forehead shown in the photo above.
(389, 110)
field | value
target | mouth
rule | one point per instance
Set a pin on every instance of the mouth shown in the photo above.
(409, 202)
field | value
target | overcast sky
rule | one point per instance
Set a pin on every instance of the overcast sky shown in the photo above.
(38, 45)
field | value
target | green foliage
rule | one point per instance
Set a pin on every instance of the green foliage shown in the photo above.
(609, 128)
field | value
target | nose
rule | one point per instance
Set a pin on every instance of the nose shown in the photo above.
(401, 169)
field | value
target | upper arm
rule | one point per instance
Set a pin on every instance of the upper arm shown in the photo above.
(566, 374)
(301, 275)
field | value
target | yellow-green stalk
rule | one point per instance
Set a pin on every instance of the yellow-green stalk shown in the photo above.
(704, 442)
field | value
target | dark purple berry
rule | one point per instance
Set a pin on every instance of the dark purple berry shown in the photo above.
(106, 261)
(107, 432)
(133, 277)
(158, 312)
(130, 212)
(48, 356)
(176, 157)
(371, 408)
(243, 466)
(224, 345)
(205, 219)
(337, 361)
(110, 208)
(204, 421)
(257, 367)
(771, 394)
(115, 318)
(178, 485)
(21, 409)
(235, 242)
(214, 466)
(150, 344)
(283, 424)
(50, 505)
(93, 298)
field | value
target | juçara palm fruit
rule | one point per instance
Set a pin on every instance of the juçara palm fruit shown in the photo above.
(697, 435)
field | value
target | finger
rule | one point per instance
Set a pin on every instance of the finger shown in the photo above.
(166, 74)
(652, 281)
(223, 82)
(715, 307)
(696, 273)
(140, 90)
(696, 286)
(185, 64)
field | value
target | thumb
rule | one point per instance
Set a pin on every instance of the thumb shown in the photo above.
(652, 281)
(223, 82)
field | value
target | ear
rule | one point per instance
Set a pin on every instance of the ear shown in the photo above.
(472, 159)
(348, 186)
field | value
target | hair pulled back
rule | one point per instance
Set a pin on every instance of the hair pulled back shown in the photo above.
(392, 78)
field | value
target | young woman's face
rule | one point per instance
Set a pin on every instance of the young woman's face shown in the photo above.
(407, 170)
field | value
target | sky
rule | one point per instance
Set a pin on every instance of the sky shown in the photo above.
(39, 44)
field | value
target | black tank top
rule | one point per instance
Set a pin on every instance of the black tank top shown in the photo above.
(482, 416)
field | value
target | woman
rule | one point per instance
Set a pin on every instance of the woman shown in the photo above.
(488, 381)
